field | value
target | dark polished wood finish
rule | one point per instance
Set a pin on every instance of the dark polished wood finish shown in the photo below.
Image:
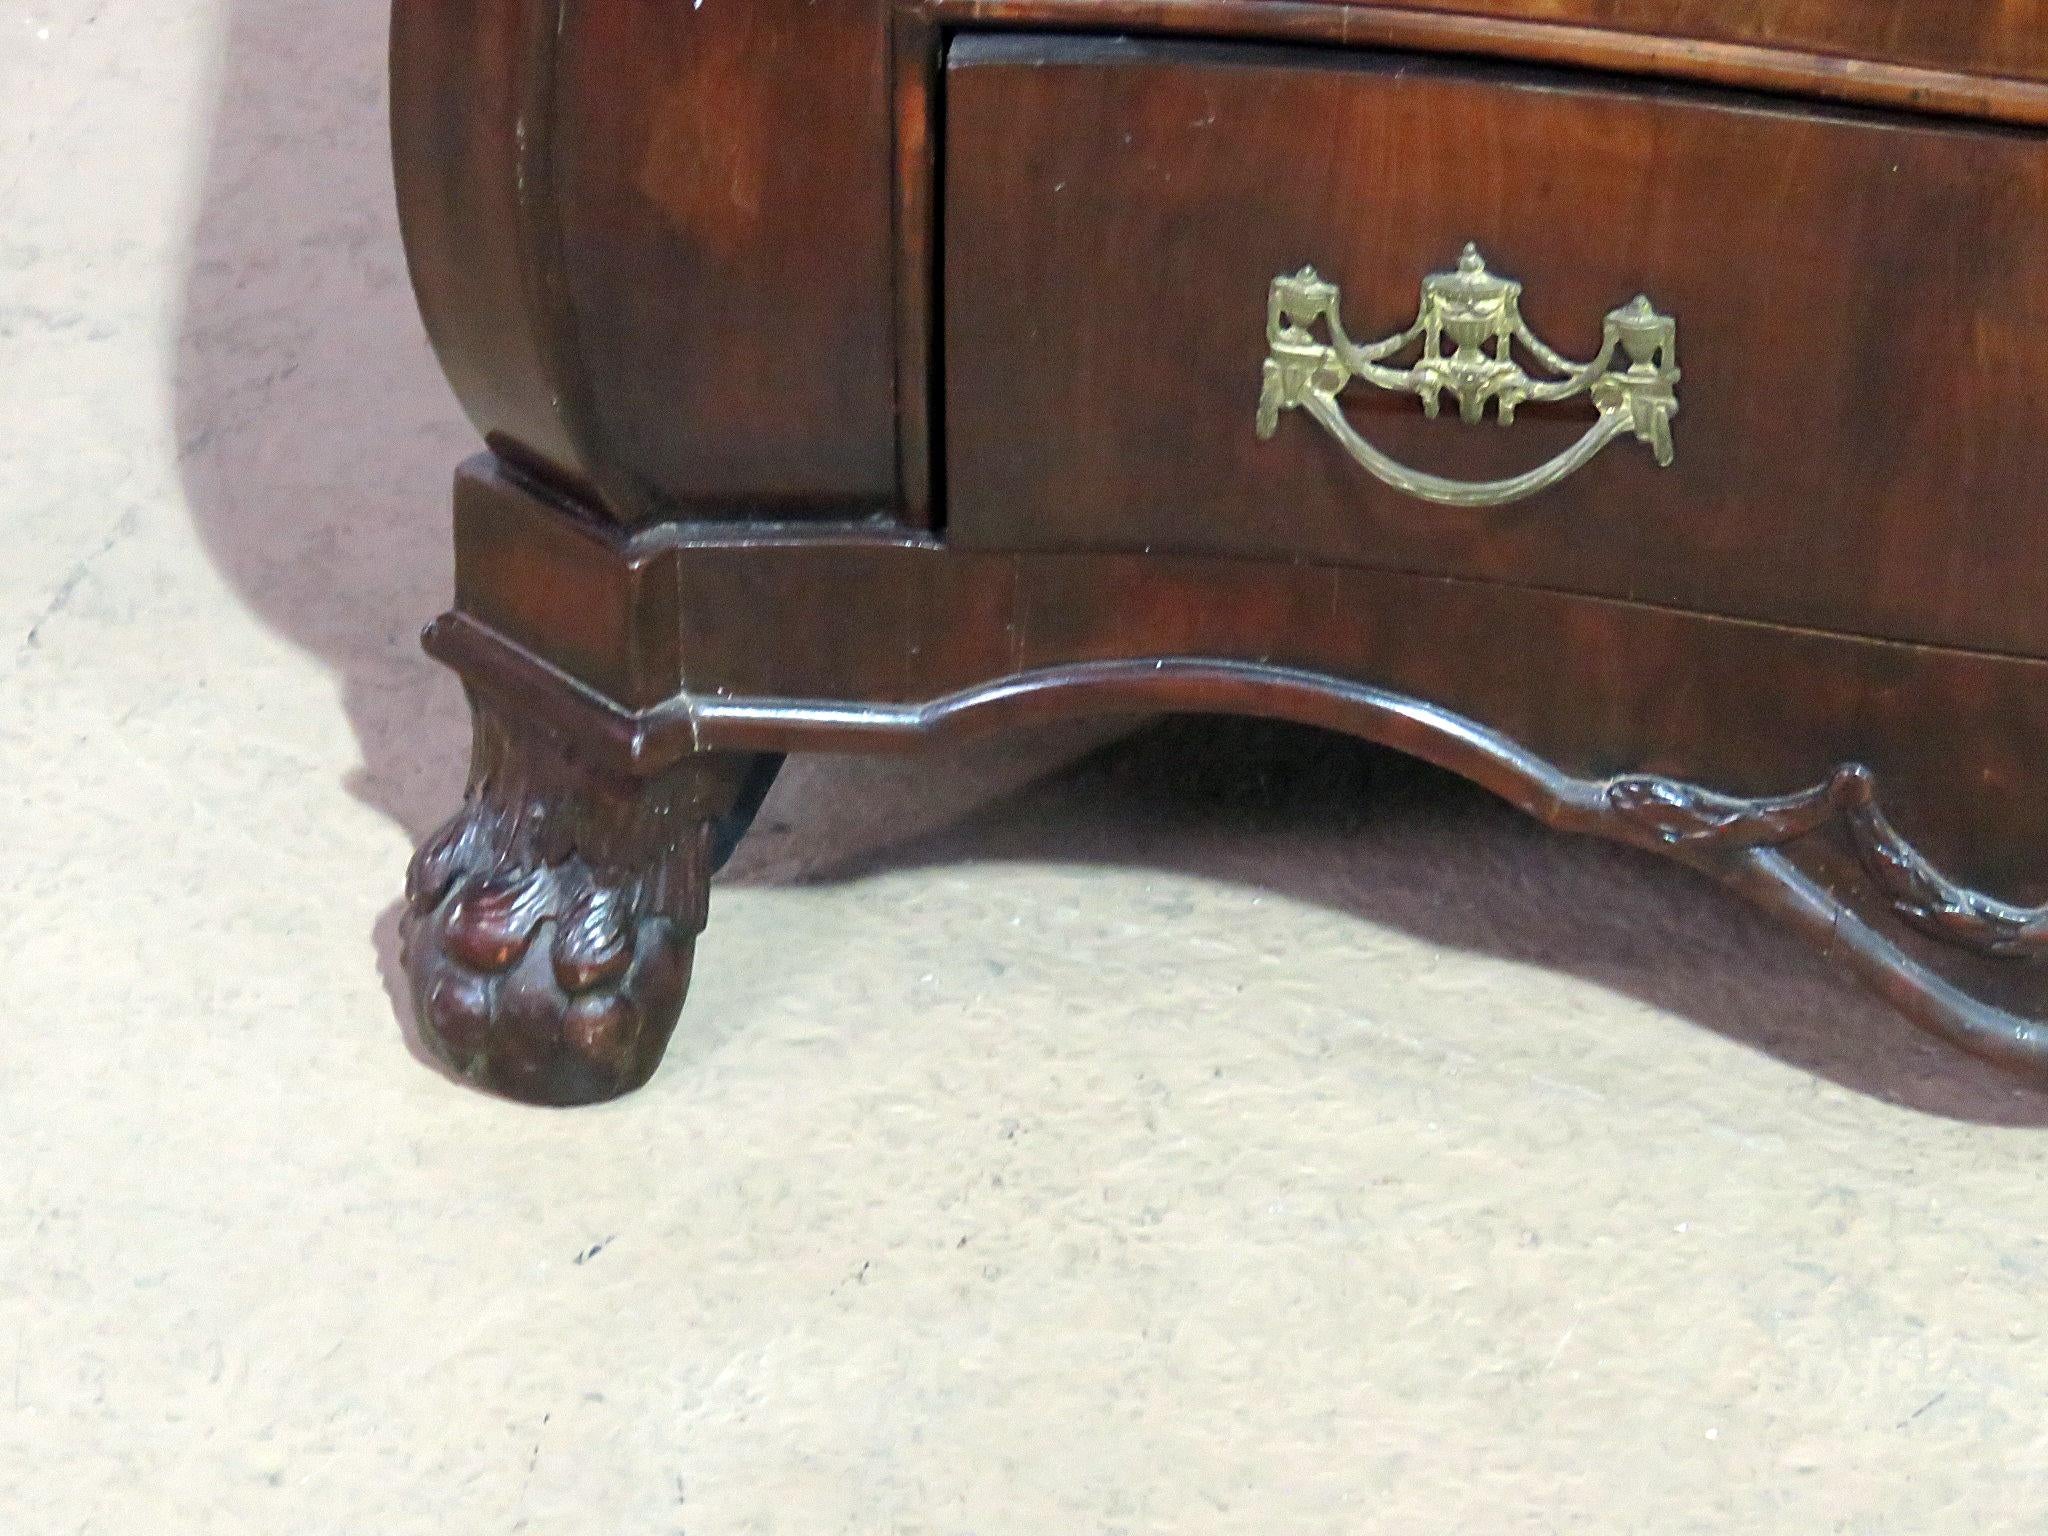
(1725, 47)
(654, 244)
(1990, 37)
(549, 926)
(1843, 371)
(855, 378)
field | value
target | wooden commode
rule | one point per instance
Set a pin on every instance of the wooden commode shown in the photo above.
(1636, 408)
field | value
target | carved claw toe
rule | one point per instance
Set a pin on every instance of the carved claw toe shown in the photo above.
(546, 986)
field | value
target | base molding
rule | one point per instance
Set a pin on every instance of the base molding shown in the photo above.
(1824, 859)
(1888, 800)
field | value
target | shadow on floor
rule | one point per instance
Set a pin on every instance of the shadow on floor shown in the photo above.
(1318, 818)
(317, 439)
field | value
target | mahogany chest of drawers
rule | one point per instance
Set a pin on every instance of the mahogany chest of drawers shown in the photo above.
(1635, 408)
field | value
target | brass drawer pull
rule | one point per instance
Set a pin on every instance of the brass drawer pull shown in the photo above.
(1480, 315)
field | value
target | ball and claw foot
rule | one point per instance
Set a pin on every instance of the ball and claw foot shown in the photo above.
(549, 926)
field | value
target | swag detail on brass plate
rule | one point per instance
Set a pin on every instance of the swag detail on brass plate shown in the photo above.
(1469, 323)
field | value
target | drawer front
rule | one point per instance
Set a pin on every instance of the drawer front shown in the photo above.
(1847, 325)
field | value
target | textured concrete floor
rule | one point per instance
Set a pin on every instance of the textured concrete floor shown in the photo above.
(1129, 1142)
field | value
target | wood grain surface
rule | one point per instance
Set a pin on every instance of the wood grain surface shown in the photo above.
(1862, 306)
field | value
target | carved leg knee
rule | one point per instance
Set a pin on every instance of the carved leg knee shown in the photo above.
(549, 926)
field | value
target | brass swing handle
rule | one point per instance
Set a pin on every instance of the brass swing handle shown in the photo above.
(1479, 316)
